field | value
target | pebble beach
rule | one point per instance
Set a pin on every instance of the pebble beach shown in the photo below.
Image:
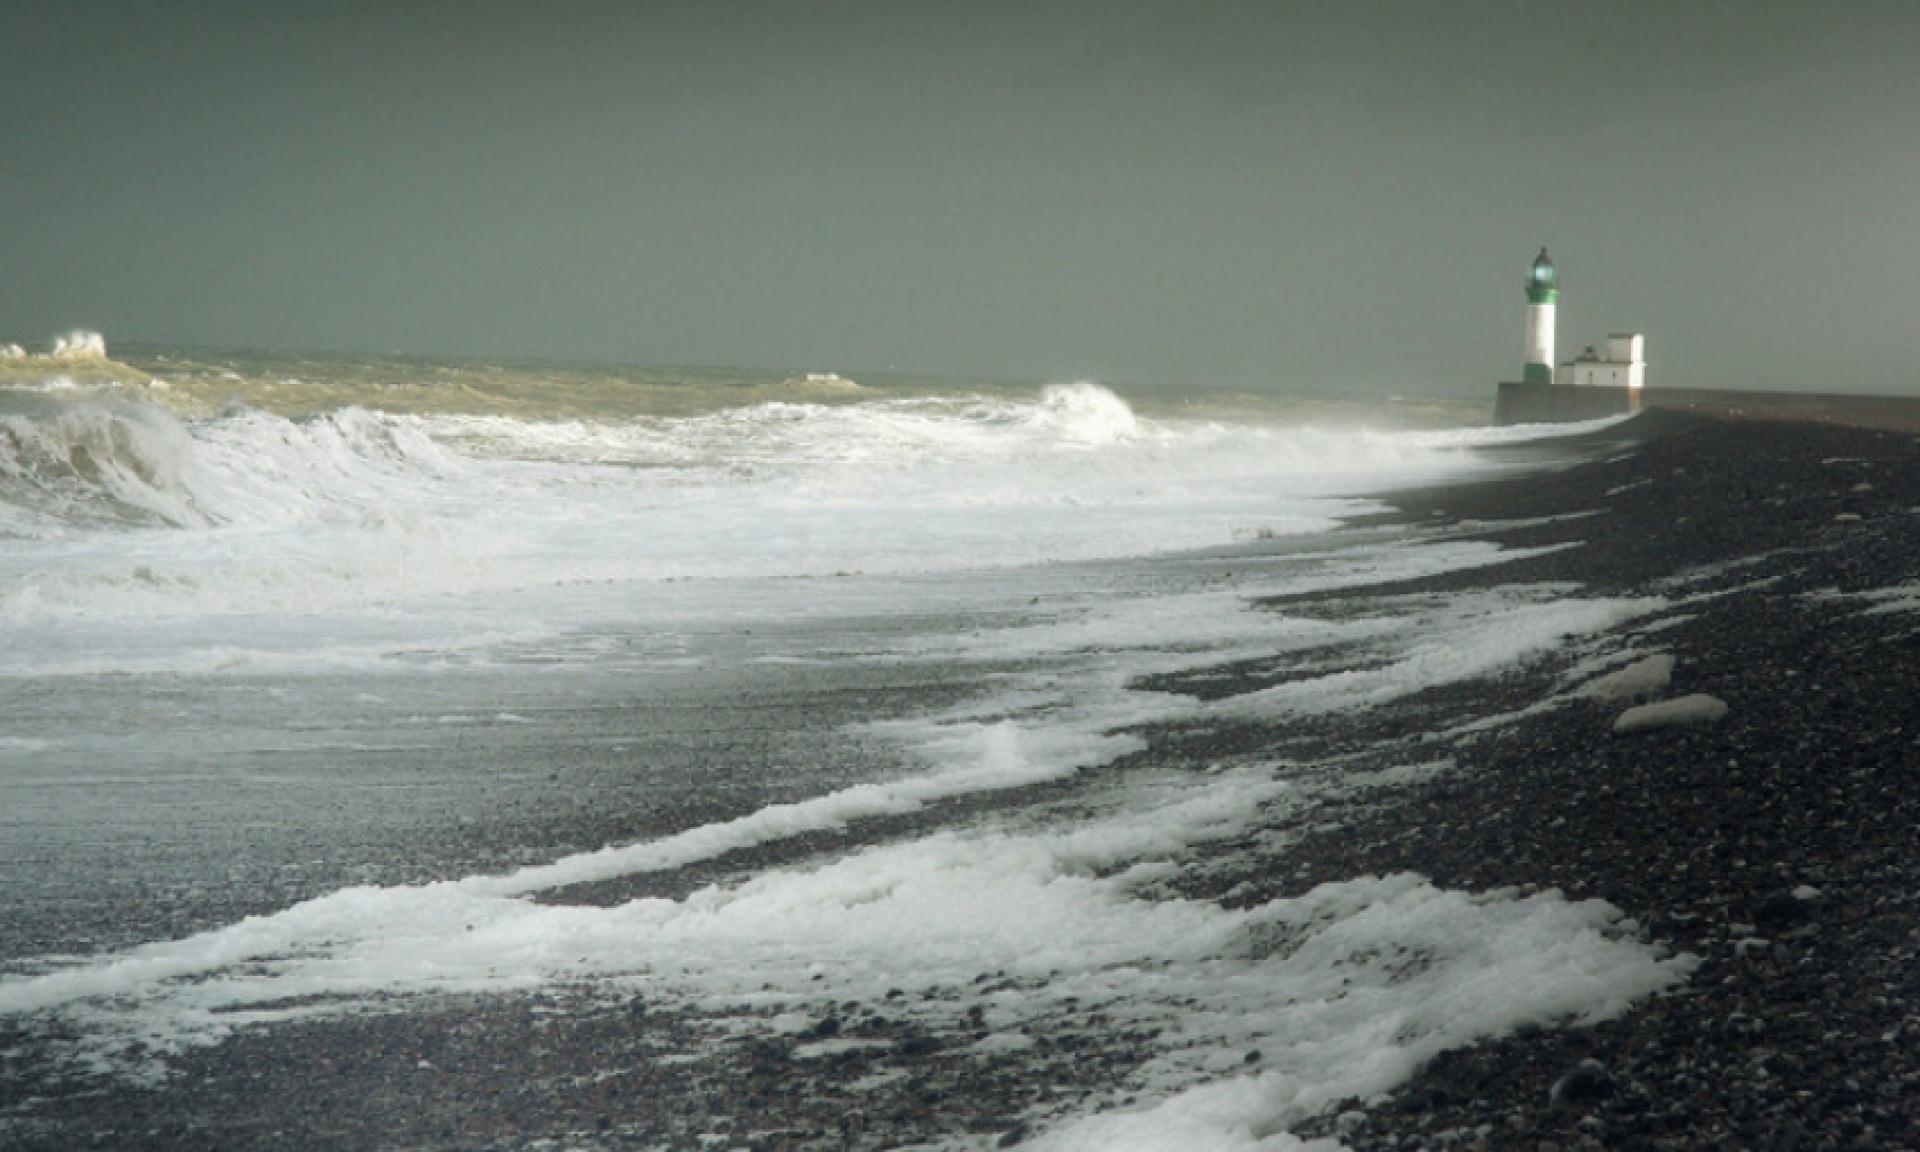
(1776, 842)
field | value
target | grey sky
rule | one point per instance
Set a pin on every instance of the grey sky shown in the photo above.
(1321, 195)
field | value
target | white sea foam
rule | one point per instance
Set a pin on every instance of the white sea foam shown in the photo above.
(363, 542)
(1456, 639)
(1033, 733)
(1898, 598)
(357, 512)
(1345, 990)
(969, 757)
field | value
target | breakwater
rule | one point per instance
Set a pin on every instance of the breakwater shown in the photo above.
(1537, 403)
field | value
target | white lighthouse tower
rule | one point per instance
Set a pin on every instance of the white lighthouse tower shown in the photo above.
(1543, 291)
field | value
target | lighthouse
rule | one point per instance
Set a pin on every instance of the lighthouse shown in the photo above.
(1588, 387)
(1543, 290)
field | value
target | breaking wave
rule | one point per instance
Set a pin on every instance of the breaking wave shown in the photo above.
(1085, 414)
(246, 510)
(97, 457)
(95, 462)
(100, 460)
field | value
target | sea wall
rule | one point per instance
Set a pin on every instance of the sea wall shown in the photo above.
(1536, 403)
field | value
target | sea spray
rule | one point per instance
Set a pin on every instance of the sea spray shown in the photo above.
(357, 507)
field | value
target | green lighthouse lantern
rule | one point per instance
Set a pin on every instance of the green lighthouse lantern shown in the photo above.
(1543, 281)
(1543, 291)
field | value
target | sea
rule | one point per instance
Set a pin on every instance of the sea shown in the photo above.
(325, 680)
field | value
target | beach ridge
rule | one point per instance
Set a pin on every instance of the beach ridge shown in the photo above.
(1775, 841)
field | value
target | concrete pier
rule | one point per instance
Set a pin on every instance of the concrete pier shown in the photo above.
(1531, 402)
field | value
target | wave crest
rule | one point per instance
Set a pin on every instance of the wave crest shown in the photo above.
(97, 462)
(1086, 413)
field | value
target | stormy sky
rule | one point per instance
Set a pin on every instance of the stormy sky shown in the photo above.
(1337, 195)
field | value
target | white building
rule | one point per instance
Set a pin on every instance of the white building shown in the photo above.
(1625, 364)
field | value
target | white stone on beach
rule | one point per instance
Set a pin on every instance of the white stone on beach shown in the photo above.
(1698, 708)
(1638, 680)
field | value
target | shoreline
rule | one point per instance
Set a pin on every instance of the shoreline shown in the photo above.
(1774, 845)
